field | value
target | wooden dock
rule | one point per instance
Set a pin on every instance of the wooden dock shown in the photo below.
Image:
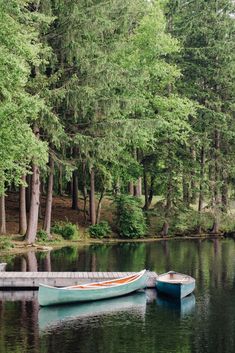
(26, 280)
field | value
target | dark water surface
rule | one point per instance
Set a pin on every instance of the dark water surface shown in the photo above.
(140, 323)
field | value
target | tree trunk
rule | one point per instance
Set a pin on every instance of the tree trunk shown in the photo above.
(224, 191)
(22, 208)
(3, 229)
(92, 197)
(117, 187)
(47, 219)
(84, 190)
(186, 198)
(145, 182)
(215, 228)
(151, 191)
(165, 227)
(139, 187)
(193, 184)
(75, 190)
(201, 187)
(34, 206)
(60, 180)
(148, 192)
(28, 192)
(40, 216)
(131, 188)
(98, 212)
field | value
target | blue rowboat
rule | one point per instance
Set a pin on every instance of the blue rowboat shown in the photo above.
(48, 295)
(56, 316)
(175, 284)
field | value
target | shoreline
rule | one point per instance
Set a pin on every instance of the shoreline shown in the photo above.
(20, 246)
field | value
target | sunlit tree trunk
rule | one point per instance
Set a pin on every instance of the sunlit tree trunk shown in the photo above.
(35, 201)
(3, 228)
(131, 188)
(22, 207)
(98, 212)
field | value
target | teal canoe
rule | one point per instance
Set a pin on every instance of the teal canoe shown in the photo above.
(48, 295)
(174, 284)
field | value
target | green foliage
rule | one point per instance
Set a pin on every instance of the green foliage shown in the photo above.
(227, 223)
(42, 236)
(189, 220)
(131, 221)
(67, 230)
(99, 230)
(5, 243)
(20, 50)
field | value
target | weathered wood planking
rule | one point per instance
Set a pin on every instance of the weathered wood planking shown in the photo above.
(60, 279)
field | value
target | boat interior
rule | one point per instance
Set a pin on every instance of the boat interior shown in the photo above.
(174, 277)
(105, 283)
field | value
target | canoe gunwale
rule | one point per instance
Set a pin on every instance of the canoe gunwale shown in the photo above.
(186, 279)
(88, 286)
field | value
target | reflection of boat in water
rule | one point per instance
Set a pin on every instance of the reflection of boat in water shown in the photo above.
(184, 306)
(48, 295)
(55, 316)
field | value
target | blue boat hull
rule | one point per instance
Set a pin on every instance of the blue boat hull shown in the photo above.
(175, 290)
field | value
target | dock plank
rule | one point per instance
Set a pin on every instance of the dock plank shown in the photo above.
(32, 279)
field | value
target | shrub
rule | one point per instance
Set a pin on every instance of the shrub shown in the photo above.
(5, 243)
(131, 222)
(42, 235)
(99, 230)
(67, 230)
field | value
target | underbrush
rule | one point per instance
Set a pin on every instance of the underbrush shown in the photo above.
(5, 243)
(99, 230)
(130, 220)
(67, 230)
(186, 221)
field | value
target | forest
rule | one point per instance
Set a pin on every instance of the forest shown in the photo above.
(122, 108)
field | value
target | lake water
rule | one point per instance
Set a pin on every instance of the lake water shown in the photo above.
(140, 323)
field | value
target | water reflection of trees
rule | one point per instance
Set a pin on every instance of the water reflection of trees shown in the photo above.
(211, 262)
